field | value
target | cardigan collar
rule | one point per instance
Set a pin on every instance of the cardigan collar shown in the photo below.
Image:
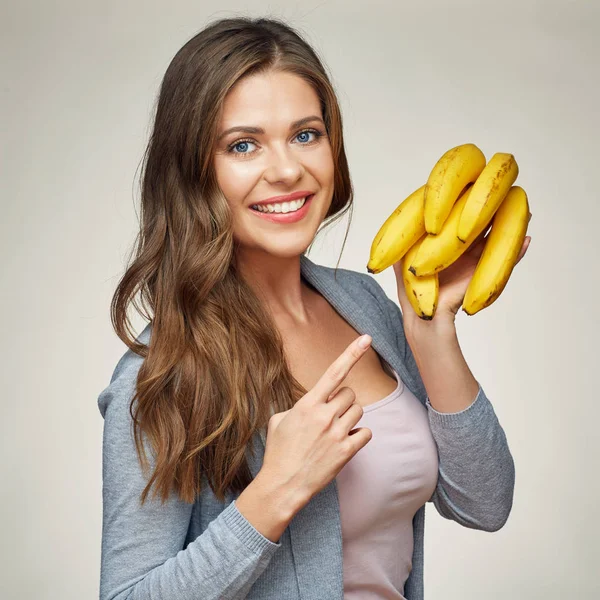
(323, 279)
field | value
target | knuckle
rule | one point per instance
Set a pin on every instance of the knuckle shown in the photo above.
(335, 373)
(324, 418)
(340, 436)
(345, 390)
(347, 446)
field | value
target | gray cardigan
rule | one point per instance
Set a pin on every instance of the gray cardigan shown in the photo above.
(208, 551)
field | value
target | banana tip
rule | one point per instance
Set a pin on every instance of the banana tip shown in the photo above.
(412, 270)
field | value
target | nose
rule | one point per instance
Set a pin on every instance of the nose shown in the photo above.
(283, 167)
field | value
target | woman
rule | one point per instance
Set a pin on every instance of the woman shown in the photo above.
(248, 383)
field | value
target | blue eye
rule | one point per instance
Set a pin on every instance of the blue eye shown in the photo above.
(242, 145)
(304, 133)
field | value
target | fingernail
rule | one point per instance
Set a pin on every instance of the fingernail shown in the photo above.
(364, 341)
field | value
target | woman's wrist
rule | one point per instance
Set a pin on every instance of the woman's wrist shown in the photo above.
(268, 506)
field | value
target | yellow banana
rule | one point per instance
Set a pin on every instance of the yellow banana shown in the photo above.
(437, 252)
(398, 233)
(456, 168)
(500, 253)
(422, 292)
(489, 190)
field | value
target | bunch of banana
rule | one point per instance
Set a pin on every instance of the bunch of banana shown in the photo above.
(440, 221)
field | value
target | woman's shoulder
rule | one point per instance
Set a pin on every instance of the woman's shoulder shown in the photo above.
(124, 377)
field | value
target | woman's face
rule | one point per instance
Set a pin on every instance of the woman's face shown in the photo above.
(284, 157)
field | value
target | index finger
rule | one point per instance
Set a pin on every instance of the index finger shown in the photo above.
(339, 368)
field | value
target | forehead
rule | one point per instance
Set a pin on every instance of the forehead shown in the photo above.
(270, 96)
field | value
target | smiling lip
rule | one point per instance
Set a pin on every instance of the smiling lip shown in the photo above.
(288, 198)
(290, 217)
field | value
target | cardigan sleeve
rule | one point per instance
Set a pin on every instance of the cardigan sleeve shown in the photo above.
(143, 555)
(476, 475)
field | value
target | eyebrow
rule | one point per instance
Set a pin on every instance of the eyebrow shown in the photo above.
(252, 129)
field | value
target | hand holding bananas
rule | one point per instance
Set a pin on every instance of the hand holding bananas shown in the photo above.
(436, 238)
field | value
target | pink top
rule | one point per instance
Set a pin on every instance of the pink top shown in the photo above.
(380, 490)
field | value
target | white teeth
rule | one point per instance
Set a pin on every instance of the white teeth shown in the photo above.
(284, 207)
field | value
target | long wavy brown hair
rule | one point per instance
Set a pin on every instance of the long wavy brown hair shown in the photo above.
(214, 369)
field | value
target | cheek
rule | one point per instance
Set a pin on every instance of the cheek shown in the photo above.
(321, 165)
(236, 179)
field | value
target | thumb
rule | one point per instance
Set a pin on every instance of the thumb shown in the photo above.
(398, 268)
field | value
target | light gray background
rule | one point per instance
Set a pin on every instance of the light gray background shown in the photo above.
(414, 79)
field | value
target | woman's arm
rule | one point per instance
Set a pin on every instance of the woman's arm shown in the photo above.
(447, 378)
(476, 469)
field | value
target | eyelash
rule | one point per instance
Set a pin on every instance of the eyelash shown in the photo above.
(318, 134)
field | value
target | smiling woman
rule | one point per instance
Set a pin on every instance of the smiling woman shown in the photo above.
(246, 117)
(257, 123)
(247, 386)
